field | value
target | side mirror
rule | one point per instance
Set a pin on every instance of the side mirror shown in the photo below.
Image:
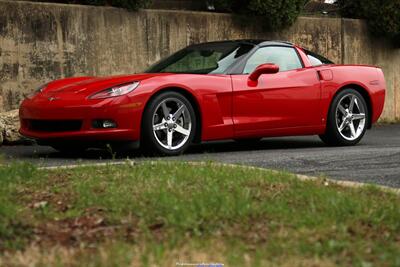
(263, 69)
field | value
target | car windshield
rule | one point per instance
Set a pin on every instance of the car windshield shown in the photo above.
(211, 58)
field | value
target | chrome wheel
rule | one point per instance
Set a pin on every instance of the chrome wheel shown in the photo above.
(172, 123)
(350, 117)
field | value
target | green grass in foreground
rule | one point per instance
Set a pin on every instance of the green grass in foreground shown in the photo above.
(163, 213)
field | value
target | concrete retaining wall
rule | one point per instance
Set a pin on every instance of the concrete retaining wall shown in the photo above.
(41, 41)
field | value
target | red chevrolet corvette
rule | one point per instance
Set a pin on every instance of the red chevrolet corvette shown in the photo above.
(246, 89)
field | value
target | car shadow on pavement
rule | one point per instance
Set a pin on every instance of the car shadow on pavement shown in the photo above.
(207, 147)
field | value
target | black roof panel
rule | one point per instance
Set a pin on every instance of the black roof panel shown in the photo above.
(259, 42)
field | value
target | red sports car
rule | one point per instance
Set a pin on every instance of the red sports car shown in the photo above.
(245, 89)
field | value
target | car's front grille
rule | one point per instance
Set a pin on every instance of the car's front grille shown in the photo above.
(54, 125)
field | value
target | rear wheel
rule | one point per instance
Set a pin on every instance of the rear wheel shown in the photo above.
(169, 124)
(347, 119)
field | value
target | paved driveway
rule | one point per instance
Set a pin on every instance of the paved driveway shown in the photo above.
(375, 160)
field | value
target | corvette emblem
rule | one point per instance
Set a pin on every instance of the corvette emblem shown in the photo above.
(52, 98)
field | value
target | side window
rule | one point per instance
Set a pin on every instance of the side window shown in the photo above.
(314, 61)
(317, 60)
(285, 57)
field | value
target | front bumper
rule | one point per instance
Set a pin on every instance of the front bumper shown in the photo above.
(121, 110)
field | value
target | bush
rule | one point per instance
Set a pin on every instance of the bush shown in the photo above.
(383, 16)
(128, 4)
(276, 13)
(221, 5)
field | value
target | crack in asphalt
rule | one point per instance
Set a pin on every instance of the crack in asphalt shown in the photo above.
(375, 160)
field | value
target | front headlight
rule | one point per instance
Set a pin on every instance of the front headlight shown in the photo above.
(115, 91)
(36, 91)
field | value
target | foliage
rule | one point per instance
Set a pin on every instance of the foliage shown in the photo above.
(128, 4)
(383, 16)
(276, 13)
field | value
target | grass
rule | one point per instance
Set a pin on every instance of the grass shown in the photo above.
(158, 214)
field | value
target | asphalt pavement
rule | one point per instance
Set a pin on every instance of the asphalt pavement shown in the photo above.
(375, 160)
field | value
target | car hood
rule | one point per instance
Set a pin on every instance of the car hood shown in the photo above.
(89, 85)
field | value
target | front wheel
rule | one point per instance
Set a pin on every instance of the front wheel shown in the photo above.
(169, 124)
(347, 119)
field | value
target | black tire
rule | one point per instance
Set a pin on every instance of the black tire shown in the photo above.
(149, 143)
(332, 136)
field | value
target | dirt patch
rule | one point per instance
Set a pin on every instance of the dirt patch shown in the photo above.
(372, 231)
(74, 231)
(60, 200)
(87, 230)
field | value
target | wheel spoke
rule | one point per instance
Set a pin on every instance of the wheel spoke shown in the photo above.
(351, 106)
(182, 130)
(342, 125)
(352, 130)
(178, 113)
(356, 103)
(165, 110)
(360, 116)
(169, 139)
(342, 109)
(172, 124)
(159, 126)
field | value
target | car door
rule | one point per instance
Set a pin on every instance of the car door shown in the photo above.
(289, 98)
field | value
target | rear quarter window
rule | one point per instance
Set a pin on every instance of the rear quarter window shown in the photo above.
(317, 60)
